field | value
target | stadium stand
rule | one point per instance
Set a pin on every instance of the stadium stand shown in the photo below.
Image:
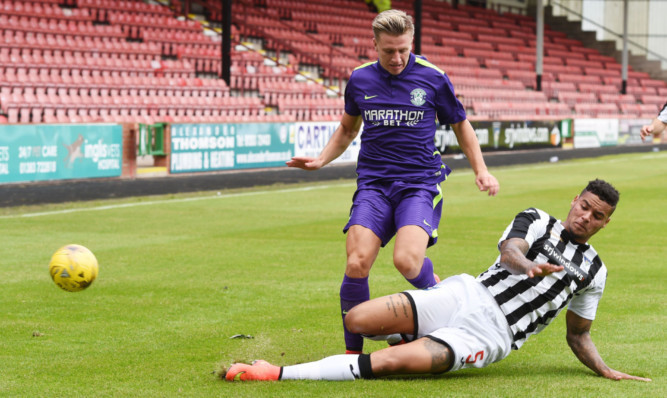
(66, 61)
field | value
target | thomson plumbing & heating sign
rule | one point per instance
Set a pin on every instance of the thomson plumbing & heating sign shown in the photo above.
(211, 147)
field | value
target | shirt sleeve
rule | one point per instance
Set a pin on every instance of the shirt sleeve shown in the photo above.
(351, 107)
(662, 116)
(525, 226)
(585, 303)
(449, 108)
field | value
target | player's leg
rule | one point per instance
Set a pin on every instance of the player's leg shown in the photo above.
(362, 249)
(410, 256)
(370, 227)
(417, 217)
(418, 357)
(362, 246)
(421, 356)
(457, 325)
(382, 316)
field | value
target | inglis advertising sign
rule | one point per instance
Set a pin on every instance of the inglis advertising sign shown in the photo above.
(57, 152)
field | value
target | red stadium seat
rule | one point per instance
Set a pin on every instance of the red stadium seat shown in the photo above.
(596, 110)
(573, 98)
(57, 57)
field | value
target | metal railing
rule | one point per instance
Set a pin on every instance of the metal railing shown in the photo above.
(239, 19)
(613, 33)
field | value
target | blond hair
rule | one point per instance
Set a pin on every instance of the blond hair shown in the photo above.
(393, 22)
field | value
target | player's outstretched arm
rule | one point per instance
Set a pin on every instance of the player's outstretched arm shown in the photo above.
(467, 139)
(656, 127)
(513, 256)
(579, 340)
(338, 143)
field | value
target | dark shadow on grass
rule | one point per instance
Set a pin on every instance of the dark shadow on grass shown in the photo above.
(500, 371)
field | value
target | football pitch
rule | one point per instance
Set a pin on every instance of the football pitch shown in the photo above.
(189, 283)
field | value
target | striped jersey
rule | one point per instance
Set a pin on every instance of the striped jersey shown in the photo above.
(662, 116)
(399, 113)
(530, 304)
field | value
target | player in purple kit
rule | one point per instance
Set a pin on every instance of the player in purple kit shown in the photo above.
(398, 98)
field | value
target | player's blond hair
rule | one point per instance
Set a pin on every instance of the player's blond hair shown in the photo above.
(393, 22)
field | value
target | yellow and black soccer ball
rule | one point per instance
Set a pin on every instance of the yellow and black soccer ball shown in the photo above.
(73, 268)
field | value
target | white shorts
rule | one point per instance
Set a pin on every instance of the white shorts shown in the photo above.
(461, 314)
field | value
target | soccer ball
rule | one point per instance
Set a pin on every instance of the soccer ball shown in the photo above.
(73, 268)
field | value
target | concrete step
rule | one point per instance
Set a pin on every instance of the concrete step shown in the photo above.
(605, 47)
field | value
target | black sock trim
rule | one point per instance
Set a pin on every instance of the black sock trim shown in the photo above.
(415, 318)
(365, 369)
(280, 375)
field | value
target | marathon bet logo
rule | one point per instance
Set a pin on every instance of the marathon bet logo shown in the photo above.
(392, 117)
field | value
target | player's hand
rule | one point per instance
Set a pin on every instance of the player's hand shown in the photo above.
(616, 375)
(487, 182)
(646, 131)
(305, 163)
(543, 270)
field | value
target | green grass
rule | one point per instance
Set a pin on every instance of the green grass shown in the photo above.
(181, 274)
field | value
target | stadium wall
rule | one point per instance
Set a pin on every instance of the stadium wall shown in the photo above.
(42, 153)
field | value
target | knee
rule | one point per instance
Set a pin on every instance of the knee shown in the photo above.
(408, 264)
(356, 321)
(358, 266)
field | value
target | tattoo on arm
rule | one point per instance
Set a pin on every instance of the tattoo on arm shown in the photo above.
(513, 254)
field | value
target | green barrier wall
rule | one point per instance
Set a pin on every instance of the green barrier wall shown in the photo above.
(507, 135)
(56, 152)
(210, 147)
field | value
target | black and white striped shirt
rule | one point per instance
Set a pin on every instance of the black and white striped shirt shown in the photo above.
(662, 115)
(530, 304)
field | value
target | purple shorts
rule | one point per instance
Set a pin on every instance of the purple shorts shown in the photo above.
(386, 207)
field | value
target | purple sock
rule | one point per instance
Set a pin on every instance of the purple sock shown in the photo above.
(425, 278)
(353, 291)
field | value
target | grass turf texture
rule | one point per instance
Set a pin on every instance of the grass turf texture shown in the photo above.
(180, 275)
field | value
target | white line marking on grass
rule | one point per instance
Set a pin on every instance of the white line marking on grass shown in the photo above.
(181, 200)
(460, 173)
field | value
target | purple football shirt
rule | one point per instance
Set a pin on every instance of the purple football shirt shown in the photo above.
(399, 114)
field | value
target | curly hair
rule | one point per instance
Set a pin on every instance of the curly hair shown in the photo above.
(604, 190)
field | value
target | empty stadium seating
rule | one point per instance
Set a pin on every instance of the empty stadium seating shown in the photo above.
(131, 60)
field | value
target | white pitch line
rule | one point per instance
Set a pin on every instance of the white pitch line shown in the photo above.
(287, 190)
(154, 202)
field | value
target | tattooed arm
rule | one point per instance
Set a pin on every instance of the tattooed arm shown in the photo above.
(579, 340)
(513, 257)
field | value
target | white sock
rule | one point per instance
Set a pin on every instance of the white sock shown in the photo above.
(389, 338)
(337, 367)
